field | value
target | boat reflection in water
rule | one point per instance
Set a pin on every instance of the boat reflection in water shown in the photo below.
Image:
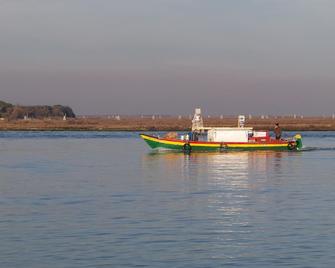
(242, 168)
(226, 200)
(229, 182)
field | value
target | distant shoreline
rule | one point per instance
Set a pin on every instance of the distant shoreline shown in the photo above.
(168, 123)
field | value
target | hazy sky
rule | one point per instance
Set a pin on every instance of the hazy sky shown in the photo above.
(169, 56)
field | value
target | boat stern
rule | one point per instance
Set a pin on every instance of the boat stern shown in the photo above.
(298, 140)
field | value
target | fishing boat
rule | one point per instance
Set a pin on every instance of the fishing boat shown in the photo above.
(221, 138)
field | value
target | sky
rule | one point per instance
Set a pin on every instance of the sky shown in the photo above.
(170, 56)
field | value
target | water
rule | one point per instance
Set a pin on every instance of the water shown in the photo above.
(99, 199)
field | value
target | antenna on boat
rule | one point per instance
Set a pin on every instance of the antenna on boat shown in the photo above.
(241, 121)
(197, 121)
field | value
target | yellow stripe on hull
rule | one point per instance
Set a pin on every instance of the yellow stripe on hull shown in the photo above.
(262, 145)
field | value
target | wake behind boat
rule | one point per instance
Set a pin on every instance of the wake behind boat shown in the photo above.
(221, 138)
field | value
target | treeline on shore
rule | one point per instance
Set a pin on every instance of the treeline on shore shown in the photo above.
(14, 112)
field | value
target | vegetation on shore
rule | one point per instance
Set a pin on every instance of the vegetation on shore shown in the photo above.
(168, 123)
(51, 118)
(15, 112)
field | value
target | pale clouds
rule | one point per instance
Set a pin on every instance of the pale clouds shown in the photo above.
(229, 50)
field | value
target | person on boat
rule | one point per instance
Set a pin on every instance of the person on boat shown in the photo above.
(277, 131)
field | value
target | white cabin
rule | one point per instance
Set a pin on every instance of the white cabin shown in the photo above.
(228, 134)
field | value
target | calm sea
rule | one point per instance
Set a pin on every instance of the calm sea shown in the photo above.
(99, 199)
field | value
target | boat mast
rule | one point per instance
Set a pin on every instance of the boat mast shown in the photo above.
(197, 121)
